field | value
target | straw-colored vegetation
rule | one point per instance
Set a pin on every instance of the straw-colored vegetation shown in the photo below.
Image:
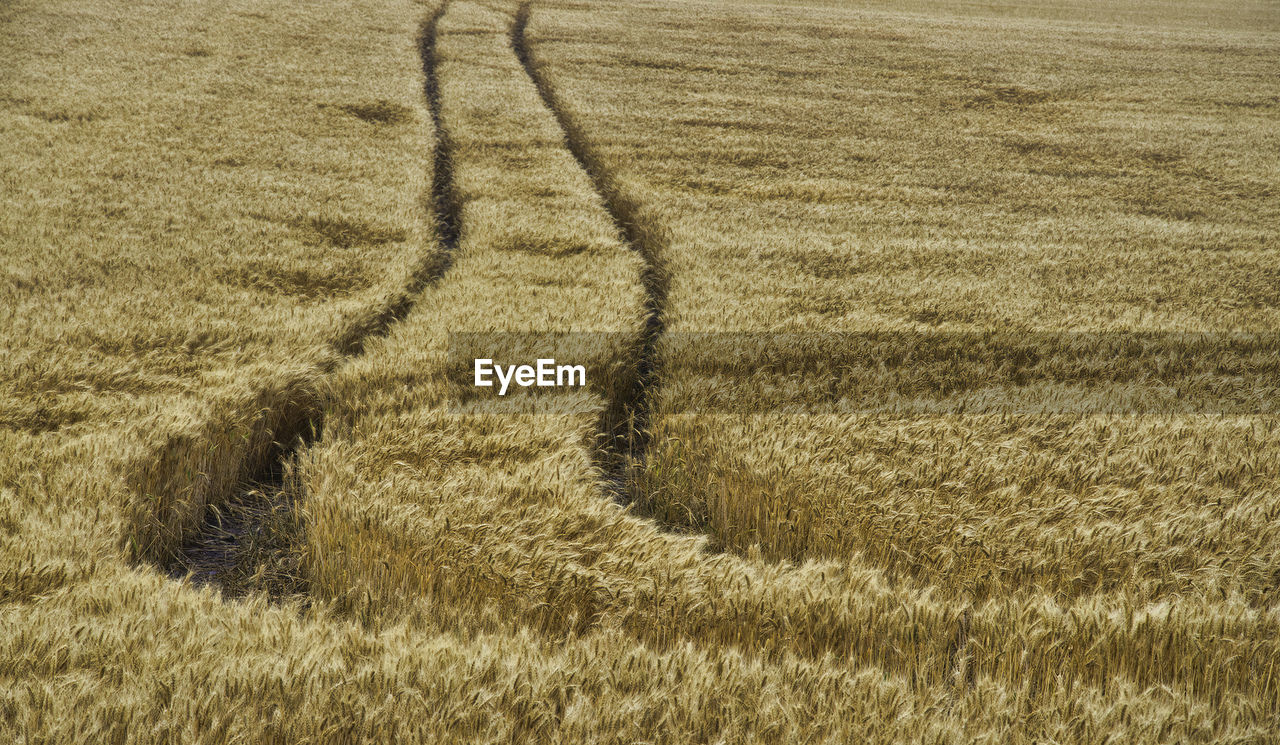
(972, 506)
(1006, 204)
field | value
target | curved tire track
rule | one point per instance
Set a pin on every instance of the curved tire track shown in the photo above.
(626, 441)
(254, 521)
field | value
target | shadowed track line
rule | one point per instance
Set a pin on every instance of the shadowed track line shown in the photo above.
(256, 523)
(624, 442)
(445, 203)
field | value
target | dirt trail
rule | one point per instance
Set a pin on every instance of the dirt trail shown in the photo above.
(624, 443)
(444, 198)
(254, 525)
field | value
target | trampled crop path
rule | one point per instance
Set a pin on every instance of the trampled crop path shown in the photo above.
(254, 524)
(624, 442)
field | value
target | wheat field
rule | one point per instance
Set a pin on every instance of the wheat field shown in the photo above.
(933, 378)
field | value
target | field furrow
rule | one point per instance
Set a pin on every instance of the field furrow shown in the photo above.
(623, 449)
(250, 536)
(444, 197)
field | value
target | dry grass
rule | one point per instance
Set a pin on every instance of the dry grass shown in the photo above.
(920, 536)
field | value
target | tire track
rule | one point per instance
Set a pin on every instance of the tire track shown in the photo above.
(246, 539)
(444, 197)
(626, 441)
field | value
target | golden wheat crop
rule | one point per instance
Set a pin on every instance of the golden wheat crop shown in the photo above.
(931, 359)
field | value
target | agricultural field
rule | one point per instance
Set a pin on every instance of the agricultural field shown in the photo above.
(933, 378)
